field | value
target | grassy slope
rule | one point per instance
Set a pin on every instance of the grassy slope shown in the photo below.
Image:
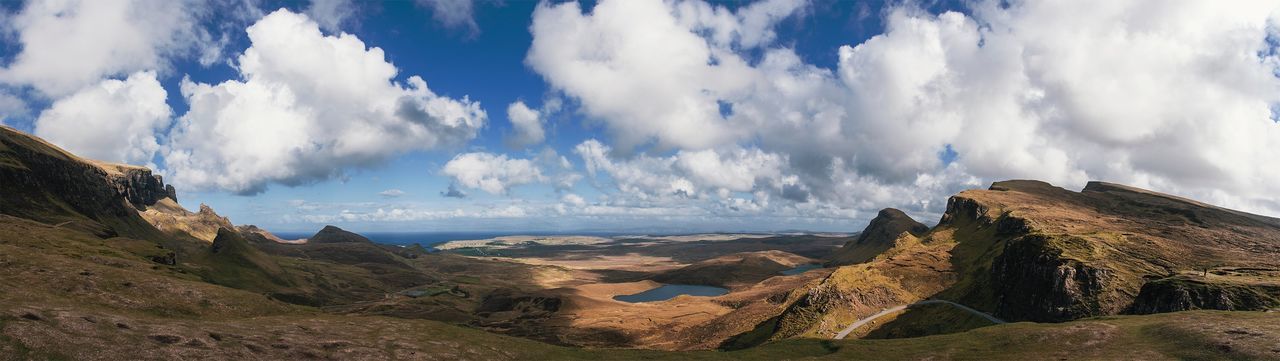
(78, 334)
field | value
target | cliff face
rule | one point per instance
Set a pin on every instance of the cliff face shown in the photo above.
(137, 185)
(1056, 255)
(48, 184)
(1188, 292)
(1035, 282)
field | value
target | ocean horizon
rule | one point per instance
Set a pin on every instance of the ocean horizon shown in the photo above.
(429, 239)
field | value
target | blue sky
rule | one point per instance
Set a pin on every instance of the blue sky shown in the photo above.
(767, 115)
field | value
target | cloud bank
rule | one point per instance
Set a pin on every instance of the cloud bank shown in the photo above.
(492, 173)
(1177, 97)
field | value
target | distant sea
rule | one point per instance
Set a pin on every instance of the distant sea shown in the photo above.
(429, 239)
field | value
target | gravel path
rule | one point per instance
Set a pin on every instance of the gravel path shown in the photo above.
(887, 311)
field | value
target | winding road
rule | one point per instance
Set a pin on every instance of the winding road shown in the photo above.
(864, 321)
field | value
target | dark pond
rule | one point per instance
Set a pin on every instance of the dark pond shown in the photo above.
(801, 269)
(667, 292)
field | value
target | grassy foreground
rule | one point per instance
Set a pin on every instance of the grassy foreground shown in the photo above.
(68, 333)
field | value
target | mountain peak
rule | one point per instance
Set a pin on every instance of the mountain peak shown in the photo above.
(333, 234)
(879, 236)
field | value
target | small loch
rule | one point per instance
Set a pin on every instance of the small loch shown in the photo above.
(801, 269)
(666, 292)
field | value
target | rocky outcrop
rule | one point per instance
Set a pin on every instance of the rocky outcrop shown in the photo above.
(1183, 293)
(877, 237)
(1035, 282)
(166, 215)
(256, 234)
(137, 185)
(888, 224)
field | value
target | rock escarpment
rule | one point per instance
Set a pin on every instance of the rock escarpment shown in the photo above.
(137, 185)
(1189, 292)
(1043, 253)
(48, 184)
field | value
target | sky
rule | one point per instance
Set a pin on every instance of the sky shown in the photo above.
(647, 115)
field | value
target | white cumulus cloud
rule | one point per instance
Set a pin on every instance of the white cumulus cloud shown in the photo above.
(527, 125)
(115, 120)
(687, 174)
(70, 44)
(492, 173)
(307, 107)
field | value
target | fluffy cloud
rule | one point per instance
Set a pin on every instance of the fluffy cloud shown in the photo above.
(1173, 96)
(573, 199)
(115, 120)
(68, 45)
(739, 171)
(638, 67)
(527, 125)
(687, 174)
(308, 107)
(492, 173)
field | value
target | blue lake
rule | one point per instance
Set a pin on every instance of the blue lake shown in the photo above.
(801, 269)
(667, 292)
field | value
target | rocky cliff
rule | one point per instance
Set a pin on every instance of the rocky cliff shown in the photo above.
(1204, 292)
(1050, 254)
(47, 184)
(137, 185)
